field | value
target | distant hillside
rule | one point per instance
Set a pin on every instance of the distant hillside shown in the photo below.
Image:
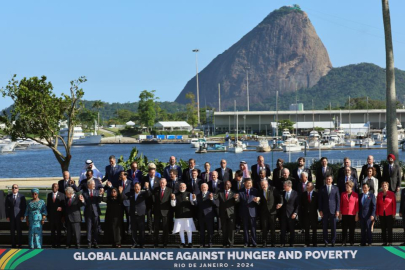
(359, 80)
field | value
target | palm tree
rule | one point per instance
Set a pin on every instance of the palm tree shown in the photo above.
(392, 134)
(98, 104)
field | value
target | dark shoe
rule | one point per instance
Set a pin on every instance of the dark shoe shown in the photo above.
(19, 246)
(165, 246)
(282, 245)
(133, 246)
(306, 245)
(141, 246)
(13, 246)
(264, 244)
(95, 246)
(315, 245)
(77, 246)
(155, 246)
(291, 245)
(210, 245)
(333, 244)
(389, 244)
(182, 245)
(273, 245)
(403, 244)
(326, 244)
(223, 246)
(384, 244)
(190, 245)
(245, 245)
(67, 247)
(89, 246)
(231, 246)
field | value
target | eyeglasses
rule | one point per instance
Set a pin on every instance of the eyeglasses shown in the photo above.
(15, 188)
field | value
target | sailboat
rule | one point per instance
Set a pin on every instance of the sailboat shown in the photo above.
(237, 147)
(350, 142)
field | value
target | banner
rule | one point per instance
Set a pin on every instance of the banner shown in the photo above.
(253, 258)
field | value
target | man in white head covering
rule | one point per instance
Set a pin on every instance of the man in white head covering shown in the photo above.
(90, 166)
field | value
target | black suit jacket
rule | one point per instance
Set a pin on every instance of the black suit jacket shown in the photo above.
(112, 174)
(394, 178)
(341, 183)
(174, 185)
(291, 206)
(197, 187)
(52, 207)
(186, 175)
(162, 206)
(268, 206)
(137, 207)
(341, 172)
(235, 186)
(205, 206)
(72, 211)
(297, 177)
(309, 210)
(255, 176)
(227, 205)
(320, 176)
(15, 210)
(219, 187)
(279, 182)
(363, 173)
(62, 186)
(228, 174)
(92, 204)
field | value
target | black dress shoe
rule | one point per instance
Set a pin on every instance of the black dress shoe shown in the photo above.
(19, 246)
(326, 244)
(384, 244)
(133, 246)
(254, 245)
(223, 246)
(155, 246)
(333, 244)
(182, 245)
(210, 245)
(315, 245)
(264, 244)
(141, 246)
(77, 246)
(403, 244)
(190, 245)
(95, 246)
(67, 247)
(282, 245)
(165, 246)
(89, 246)
(273, 245)
(245, 245)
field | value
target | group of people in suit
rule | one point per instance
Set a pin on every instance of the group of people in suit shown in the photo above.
(184, 201)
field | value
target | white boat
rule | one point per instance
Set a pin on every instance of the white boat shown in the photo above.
(194, 143)
(6, 145)
(314, 134)
(29, 144)
(79, 138)
(263, 146)
(237, 146)
(369, 142)
(350, 143)
(286, 135)
(291, 145)
(326, 144)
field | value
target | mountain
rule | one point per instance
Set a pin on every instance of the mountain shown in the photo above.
(283, 53)
(360, 80)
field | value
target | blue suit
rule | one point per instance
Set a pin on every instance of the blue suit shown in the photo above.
(91, 214)
(366, 210)
(166, 172)
(329, 204)
(128, 190)
(247, 210)
(137, 178)
(112, 174)
(15, 210)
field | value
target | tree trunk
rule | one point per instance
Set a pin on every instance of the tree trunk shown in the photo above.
(63, 162)
(392, 134)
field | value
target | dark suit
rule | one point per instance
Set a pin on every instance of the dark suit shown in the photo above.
(166, 172)
(341, 172)
(137, 211)
(91, 214)
(289, 208)
(279, 183)
(228, 174)
(341, 183)
(15, 210)
(277, 173)
(227, 215)
(298, 177)
(321, 176)
(255, 174)
(393, 177)
(149, 200)
(55, 217)
(161, 211)
(206, 215)
(247, 210)
(83, 185)
(137, 177)
(370, 184)
(112, 174)
(366, 210)
(363, 173)
(268, 212)
(402, 206)
(63, 185)
(186, 177)
(196, 188)
(127, 189)
(308, 215)
(73, 218)
(329, 204)
(218, 187)
(235, 188)
(174, 185)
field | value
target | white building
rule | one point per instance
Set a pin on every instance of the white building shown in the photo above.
(172, 125)
(130, 123)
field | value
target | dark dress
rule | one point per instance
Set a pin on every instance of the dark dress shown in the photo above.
(114, 219)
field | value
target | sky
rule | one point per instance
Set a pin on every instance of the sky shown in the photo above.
(124, 47)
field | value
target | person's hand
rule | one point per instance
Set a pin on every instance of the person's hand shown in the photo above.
(146, 185)
(321, 214)
(194, 197)
(293, 216)
(236, 196)
(400, 214)
(173, 196)
(59, 209)
(257, 199)
(71, 182)
(101, 191)
(22, 218)
(42, 222)
(279, 206)
(398, 189)
(211, 196)
(356, 218)
(28, 223)
(8, 219)
(371, 218)
(120, 189)
(81, 198)
(340, 216)
(337, 213)
(109, 184)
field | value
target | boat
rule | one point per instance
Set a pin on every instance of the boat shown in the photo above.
(303, 144)
(286, 135)
(360, 136)
(237, 147)
(400, 131)
(6, 145)
(369, 142)
(350, 143)
(326, 144)
(79, 138)
(194, 143)
(29, 144)
(263, 146)
(291, 145)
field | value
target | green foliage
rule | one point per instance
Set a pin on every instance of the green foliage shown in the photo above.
(192, 117)
(87, 118)
(286, 124)
(319, 129)
(146, 108)
(37, 111)
(143, 162)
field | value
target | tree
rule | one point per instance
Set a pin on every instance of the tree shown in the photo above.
(98, 104)
(191, 110)
(87, 117)
(392, 134)
(37, 112)
(285, 124)
(146, 108)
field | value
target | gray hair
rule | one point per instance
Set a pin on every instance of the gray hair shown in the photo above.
(304, 173)
(264, 181)
(285, 170)
(288, 183)
(263, 171)
(215, 172)
(89, 182)
(204, 184)
(69, 190)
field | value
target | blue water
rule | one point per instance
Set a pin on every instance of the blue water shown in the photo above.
(42, 163)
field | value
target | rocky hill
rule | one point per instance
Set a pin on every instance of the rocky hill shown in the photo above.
(283, 52)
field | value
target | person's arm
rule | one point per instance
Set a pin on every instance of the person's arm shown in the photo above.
(320, 203)
(401, 204)
(394, 205)
(337, 203)
(377, 206)
(373, 207)
(398, 179)
(23, 205)
(173, 200)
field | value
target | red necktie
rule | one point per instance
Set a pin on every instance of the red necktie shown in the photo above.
(309, 197)
(161, 194)
(91, 194)
(133, 177)
(70, 201)
(226, 195)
